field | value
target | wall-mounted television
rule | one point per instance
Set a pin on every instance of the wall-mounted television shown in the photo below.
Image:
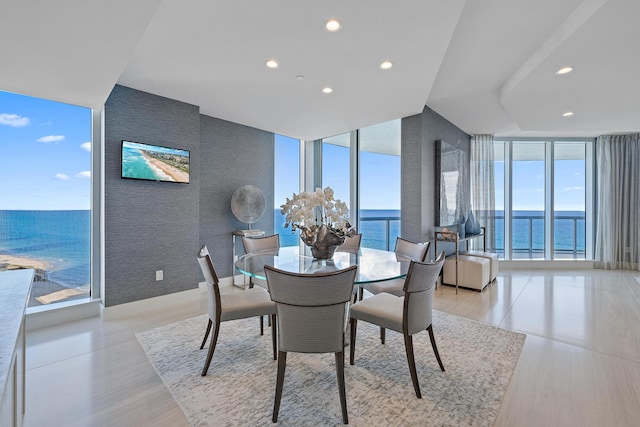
(154, 162)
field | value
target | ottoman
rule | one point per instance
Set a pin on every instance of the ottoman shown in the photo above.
(493, 258)
(473, 271)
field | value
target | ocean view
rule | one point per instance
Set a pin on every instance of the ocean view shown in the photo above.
(61, 239)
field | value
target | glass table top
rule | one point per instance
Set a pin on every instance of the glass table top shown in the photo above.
(374, 265)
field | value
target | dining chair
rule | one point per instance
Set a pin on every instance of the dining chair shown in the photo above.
(408, 314)
(311, 314)
(257, 244)
(404, 248)
(351, 244)
(232, 306)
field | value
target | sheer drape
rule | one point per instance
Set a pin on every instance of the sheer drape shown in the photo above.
(483, 186)
(618, 199)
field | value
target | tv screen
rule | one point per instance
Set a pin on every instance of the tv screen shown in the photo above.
(154, 163)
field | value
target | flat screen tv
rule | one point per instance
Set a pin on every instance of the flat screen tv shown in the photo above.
(154, 163)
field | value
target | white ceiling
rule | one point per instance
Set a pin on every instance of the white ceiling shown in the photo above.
(488, 66)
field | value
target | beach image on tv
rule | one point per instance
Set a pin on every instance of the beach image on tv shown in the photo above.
(155, 163)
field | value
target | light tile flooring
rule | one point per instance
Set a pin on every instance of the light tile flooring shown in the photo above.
(580, 365)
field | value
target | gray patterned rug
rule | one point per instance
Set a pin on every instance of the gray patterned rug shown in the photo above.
(240, 386)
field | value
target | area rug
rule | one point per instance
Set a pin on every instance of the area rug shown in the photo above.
(240, 386)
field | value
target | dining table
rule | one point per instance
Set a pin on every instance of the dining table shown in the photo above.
(374, 265)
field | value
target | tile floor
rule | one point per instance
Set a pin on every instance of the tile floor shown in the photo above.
(580, 365)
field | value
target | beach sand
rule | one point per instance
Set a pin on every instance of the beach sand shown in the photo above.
(8, 261)
(175, 174)
(43, 290)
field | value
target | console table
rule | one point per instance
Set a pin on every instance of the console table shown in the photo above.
(454, 237)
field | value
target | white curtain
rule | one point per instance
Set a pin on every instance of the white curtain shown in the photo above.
(618, 202)
(483, 187)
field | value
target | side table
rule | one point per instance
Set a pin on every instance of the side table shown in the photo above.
(454, 237)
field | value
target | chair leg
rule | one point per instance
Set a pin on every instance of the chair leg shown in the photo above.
(352, 340)
(261, 326)
(212, 348)
(408, 344)
(382, 334)
(435, 347)
(360, 293)
(274, 340)
(206, 335)
(341, 387)
(282, 363)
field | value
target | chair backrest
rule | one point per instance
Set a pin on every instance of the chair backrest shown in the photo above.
(351, 244)
(418, 293)
(311, 309)
(409, 249)
(211, 278)
(255, 244)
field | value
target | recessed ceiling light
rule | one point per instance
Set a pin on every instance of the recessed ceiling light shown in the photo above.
(332, 25)
(386, 65)
(327, 90)
(299, 77)
(567, 114)
(564, 70)
(271, 63)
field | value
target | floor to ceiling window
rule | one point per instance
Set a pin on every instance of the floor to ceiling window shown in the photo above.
(379, 189)
(45, 207)
(528, 200)
(286, 183)
(543, 199)
(336, 169)
(363, 168)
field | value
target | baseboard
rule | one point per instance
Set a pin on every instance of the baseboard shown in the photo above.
(541, 264)
(40, 317)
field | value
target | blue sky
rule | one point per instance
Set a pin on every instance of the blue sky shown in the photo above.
(46, 154)
(528, 184)
(379, 183)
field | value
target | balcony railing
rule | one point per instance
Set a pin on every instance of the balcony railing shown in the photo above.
(528, 236)
(378, 233)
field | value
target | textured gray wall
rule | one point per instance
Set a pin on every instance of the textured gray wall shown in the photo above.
(418, 169)
(232, 155)
(149, 225)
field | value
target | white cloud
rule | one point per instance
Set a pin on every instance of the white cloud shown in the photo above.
(62, 176)
(83, 174)
(573, 188)
(86, 146)
(51, 138)
(13, 120)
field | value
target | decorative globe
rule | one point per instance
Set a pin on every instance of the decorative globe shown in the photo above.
(248, 204)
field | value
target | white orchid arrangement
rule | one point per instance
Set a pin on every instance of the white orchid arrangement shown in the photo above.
(309, 211)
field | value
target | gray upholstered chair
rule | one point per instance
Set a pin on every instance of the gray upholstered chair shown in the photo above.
(351, 244)
(408, 314)
(404, 248)
(311, 314)
(257, 244)
(233, 306)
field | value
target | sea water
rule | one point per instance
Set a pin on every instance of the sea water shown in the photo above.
(134, 165)
(61, 238)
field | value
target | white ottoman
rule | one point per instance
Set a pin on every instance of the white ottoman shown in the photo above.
(473, 272)
(493, 258)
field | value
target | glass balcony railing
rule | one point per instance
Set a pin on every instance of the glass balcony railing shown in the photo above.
(528, 235)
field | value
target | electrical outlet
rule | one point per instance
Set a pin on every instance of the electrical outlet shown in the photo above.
(159, 275)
